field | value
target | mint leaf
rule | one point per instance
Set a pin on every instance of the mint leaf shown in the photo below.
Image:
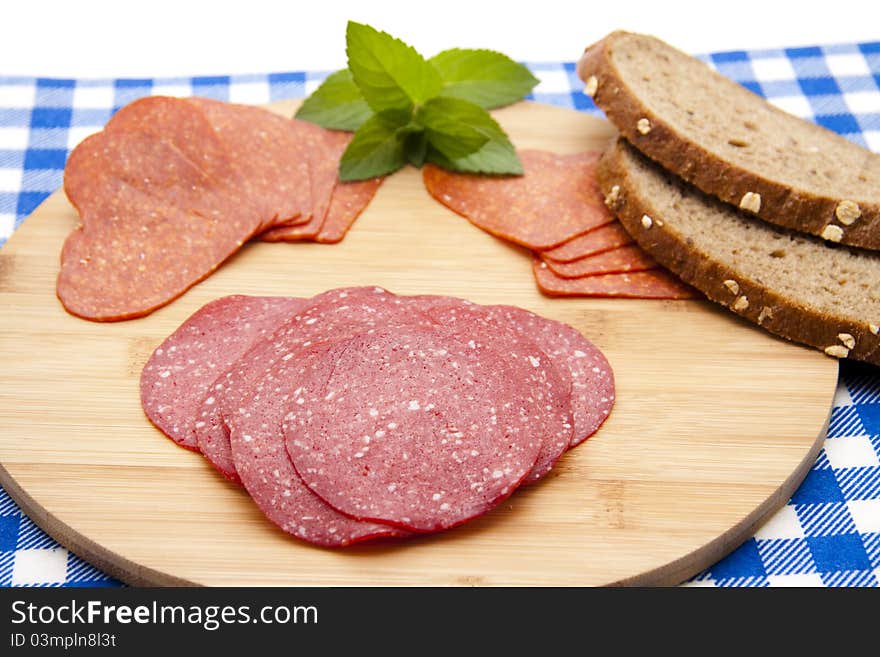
(337, 104)
(416, 147)
(485, 77)
(376, 149)
(455, 127)
(389, 73)
(496, 157)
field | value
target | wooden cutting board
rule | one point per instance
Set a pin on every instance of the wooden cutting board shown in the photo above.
(716, 422)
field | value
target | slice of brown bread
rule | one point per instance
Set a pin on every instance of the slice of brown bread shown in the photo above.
(731, 143)
(793, 285)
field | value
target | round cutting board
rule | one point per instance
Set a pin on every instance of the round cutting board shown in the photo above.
(716, 421)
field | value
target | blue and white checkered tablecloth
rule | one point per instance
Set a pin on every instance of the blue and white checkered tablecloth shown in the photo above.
(829, 532)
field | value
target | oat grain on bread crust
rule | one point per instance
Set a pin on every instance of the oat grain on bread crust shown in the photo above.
(791, 284)
(732, 144)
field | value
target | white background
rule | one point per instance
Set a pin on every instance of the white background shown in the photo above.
(99, 38)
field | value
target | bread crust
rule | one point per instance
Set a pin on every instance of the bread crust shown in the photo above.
(773, 311)
(800, 209)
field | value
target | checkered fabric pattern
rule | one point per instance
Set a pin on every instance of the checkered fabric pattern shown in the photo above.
(829, 532)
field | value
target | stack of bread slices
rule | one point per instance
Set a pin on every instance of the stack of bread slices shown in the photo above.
(776, 218)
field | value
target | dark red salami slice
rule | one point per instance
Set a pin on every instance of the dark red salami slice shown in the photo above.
(592, 380)
(651, 284)
(415, 428)
(181, 371)
(262, 463)
(332, 316)
(531, 366)
(617, 261)
(598, 240)
(555, 199)
(349, 200)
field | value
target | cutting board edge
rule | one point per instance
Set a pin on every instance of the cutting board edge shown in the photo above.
(102, 558)
(669, 574)
(679, 570)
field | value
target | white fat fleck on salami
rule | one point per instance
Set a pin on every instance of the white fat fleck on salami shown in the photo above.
(591, 375)
(394, 482)
(181, 371)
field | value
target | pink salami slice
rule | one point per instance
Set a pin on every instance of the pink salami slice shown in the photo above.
(182, 369)
(414, 427)
(532, 367)
(262, 463)
(328, 317)
(592, 379)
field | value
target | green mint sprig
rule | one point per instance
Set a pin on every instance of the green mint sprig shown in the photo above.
(405, 108)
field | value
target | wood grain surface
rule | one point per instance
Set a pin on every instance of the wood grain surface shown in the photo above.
(716, 421)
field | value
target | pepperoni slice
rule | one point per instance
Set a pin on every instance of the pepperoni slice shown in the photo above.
(349, 200)
(624, 259)
(325, 147)
(556, 198)
(651, 284)
(595, 241)
(272, 152)
(127, 256)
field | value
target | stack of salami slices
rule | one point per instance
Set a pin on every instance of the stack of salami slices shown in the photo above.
(556, 210)
(172, 187)
(359, 414)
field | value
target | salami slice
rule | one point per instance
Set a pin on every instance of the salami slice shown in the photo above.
(651, 284)
(157, 214)
(273, 151)
(624, 259)
(157, 168)
(265, 469)
(591, 376)
(125, 259)
(598, 240)
(181, 371)
(487, 327)
(349, 200)
(329, 317)
(325, 147)
(186, 127)
(556, 199)
(414, 428)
